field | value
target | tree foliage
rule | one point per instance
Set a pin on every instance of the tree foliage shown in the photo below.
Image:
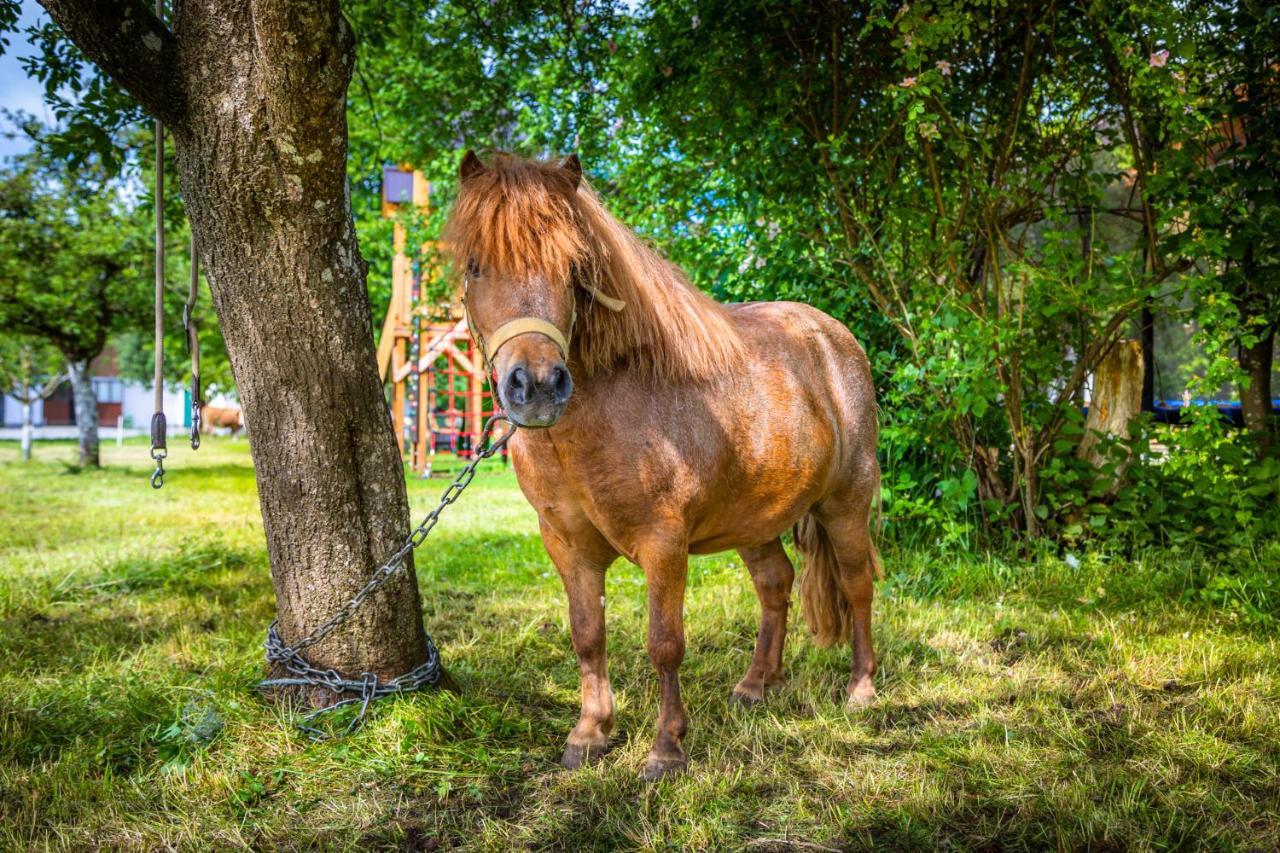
(30, 369)
(71, 255)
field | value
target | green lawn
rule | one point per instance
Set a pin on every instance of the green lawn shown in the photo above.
(1022, 705)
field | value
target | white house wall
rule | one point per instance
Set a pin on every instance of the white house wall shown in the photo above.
(138, 402)
(136, 405)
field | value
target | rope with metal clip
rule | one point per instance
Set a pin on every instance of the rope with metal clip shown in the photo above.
(159, 425)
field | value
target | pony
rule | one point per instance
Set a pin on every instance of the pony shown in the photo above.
(656, 423)
(215, 418)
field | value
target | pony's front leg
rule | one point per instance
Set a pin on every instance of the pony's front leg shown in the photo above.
(665, 571)
(582, 561)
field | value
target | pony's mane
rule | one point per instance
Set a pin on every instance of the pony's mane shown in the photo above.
(521, 218)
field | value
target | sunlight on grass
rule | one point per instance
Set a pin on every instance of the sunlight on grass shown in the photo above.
(1019, 707)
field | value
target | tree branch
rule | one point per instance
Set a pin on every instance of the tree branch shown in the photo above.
(131, 45)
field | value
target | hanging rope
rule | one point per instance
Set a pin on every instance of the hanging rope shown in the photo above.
(159, 426)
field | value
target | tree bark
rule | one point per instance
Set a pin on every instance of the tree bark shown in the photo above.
(1118, 383)
(86, 407)
(129, 43)
(261, 143)
(1255, 399)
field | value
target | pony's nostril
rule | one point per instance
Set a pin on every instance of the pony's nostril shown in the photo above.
(561, 383)
(517, 387)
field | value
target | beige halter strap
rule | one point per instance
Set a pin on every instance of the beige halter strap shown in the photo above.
(524, 326)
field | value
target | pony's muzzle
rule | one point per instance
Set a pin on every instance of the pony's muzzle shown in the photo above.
(535, 395)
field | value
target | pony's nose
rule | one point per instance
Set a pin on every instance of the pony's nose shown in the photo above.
(535, 395)
(561, 384)
(518, 387)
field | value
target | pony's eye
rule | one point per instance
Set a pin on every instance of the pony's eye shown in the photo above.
(473, 268)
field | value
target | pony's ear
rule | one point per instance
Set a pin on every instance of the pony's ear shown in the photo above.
(573, 168)
(471, 166)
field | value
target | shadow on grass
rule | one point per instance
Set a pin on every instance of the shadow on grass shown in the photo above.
(129, 605)
(105, 723)
(82, 667)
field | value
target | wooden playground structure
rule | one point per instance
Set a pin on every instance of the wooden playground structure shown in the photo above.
(440, 394)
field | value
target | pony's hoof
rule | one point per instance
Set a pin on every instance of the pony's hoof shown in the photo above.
(860, 696)
(742, 699)
(661, 768)
(580, 755)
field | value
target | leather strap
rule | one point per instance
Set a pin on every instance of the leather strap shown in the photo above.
(614, 305)
(523, 326)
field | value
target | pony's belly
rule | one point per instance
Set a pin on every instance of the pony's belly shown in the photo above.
(751, 520)
(747, 537)
(749, 506)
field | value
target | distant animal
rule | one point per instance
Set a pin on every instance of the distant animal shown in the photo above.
(215, 419)
(658, 423)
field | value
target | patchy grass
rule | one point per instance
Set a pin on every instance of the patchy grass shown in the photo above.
(1022, 705)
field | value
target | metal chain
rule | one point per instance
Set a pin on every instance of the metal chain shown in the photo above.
(369, 686)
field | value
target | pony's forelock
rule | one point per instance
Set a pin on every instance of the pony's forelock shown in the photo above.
(514, 219)
(521, 218)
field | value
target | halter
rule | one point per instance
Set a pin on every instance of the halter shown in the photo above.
(529, 325)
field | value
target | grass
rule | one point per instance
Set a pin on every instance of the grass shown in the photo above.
(1022, 705)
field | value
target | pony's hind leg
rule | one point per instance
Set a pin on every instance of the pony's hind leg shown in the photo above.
(772, 575)
(582, 562)
(844, 522)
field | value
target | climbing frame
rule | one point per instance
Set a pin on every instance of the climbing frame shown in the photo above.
(440, 394)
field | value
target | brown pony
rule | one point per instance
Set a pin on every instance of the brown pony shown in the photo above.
(659, 423)
(214, 417)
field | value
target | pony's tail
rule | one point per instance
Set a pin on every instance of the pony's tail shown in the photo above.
(826, 610)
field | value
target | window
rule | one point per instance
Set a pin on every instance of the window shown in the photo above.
(107, 389)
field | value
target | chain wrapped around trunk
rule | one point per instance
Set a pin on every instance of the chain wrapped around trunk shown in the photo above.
(369, 687)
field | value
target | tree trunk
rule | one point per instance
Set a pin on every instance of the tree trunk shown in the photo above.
(27, 430)
(1030, 492)
(259, 124)
(1147, 339)
(86, 406)
(1118, 383)
(1255, 400)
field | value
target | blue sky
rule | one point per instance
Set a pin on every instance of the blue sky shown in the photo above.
(17, 92)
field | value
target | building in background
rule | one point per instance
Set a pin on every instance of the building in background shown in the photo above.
(122, 403)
